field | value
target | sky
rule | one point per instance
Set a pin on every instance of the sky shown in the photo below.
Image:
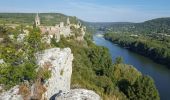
(94, 10)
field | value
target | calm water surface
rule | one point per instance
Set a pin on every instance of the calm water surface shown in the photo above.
(159, 73)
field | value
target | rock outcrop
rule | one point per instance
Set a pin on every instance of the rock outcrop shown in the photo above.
(79, 94)
(61, 70)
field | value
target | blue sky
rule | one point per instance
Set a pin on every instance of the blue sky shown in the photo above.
(94, 10)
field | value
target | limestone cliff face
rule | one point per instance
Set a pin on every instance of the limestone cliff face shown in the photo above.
(61, 69)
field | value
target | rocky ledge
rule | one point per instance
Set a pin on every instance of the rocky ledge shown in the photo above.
(79, 94)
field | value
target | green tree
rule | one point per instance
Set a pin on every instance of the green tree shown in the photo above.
(143, 89)
(119, 60)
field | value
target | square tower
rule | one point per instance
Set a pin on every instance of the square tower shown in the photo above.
(37, 20)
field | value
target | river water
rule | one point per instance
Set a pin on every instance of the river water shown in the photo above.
(158, 72)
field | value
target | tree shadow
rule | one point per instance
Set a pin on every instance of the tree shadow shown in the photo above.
(123, 85)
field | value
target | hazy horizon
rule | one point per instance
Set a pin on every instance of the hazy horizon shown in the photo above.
(93, 10)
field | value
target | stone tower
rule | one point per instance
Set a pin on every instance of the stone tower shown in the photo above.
(37, 20)
(68, 21)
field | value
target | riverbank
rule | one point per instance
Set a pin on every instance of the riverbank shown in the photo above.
(143, 47)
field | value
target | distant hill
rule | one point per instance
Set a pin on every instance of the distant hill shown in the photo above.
(28, 18)
(159, 25)
(103, 25)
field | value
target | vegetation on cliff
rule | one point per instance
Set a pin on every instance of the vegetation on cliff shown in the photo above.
(19, 58)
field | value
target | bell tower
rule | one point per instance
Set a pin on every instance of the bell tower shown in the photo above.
(37, 20)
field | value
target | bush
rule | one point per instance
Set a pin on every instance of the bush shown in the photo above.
(19, 59)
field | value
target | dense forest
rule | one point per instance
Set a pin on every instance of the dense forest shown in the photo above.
(149, 38)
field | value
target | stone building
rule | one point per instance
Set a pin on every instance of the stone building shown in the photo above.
(37, 20)
(59, 29)
(53, 31)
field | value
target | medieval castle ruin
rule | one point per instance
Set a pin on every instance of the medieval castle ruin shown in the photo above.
(58, 30)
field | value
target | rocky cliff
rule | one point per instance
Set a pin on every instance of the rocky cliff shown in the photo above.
(58, 85)
(60, 61)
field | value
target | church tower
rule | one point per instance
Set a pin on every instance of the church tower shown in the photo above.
(37, 20)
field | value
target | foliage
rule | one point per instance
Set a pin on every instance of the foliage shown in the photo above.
(156, 49)
(150, 38)
(125, 72)
(118, 60)
(100, 59)
(133, 84)
(154, 26)
(143, 89)
(19, 58)
(43, 74)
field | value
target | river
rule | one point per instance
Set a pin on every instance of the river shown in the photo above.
(158, 72)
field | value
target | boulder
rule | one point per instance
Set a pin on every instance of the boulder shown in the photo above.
(78, 94)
